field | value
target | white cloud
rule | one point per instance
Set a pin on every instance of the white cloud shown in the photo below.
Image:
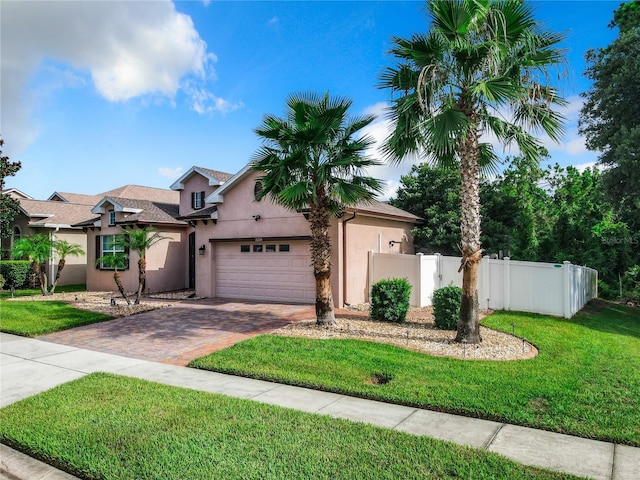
(170, 173)
(273, 21)
(127, 49)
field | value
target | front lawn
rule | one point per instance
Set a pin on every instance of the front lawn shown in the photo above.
(37, 318)
(111, 427)
(584, 382)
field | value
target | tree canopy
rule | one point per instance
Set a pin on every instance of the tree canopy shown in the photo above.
(9, 206)
(609, 122)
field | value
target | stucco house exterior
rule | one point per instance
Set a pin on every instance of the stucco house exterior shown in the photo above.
(57, 220)
(257, 250)
(221, 241)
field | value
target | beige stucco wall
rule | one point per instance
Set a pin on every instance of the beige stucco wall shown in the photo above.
(75, 268)
(165, 262)
(363, 234)
(195, 183)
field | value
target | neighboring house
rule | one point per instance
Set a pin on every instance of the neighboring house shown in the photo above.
(257, 250)
(56, 220)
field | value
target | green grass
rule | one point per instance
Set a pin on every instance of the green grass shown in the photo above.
(584, 382)
(111, 427)
(32, 318)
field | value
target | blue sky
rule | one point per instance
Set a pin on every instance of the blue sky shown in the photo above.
(98, 94)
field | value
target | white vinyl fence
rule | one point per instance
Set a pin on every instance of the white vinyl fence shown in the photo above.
(547, 288)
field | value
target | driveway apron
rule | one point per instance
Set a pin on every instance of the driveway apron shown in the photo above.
(184, 331)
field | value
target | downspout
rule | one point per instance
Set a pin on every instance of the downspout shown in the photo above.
(344, 257)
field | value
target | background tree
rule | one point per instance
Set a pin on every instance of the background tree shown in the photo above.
(140, 241)
(314, 159)
(38, 249)
(64, 249)
(432, 193)
(479, 59)
(117, 261)
(609, 122)
(9, 206)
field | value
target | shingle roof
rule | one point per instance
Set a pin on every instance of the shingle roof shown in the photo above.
(44, 212)
(152, 212)
(385, 210)
(202, 213)
(79, 198)
(222, 176)
(138, 192)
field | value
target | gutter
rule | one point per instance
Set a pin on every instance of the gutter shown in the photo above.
(344, 257)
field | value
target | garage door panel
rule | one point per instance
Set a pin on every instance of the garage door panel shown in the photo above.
(265, 276)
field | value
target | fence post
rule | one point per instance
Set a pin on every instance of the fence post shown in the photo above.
(486, 280)
(418, 284)
(506, 277)
(566, 282)
(438, 282)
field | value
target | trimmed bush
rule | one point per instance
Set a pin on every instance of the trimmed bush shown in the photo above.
(390, 300)
(446, 307)
(15, 272)
(1, 281)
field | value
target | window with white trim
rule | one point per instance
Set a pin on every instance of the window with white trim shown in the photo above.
(112, 217)
(108, 245)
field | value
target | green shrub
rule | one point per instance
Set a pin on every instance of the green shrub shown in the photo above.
(390, 300)
(1, 281)
(446, 307)
(16, 273)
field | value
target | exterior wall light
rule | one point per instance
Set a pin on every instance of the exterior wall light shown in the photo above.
(201, 250)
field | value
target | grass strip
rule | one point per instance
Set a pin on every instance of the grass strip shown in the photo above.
(104, 426)
(30, 319)
(584, 382)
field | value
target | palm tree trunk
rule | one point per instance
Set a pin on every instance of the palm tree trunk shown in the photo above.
(61, 264)
(469, 323)
(116, 277)
(142, 272)
(321, 261)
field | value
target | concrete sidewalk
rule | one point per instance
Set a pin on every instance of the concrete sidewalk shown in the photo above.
(31, 366)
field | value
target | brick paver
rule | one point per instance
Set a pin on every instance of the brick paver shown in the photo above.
(184, 331)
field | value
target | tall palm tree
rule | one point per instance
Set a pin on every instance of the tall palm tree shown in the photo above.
(116, 261)
(140, 241)
(64, 249)
(314, 160)
(38, 249)
(482, 69)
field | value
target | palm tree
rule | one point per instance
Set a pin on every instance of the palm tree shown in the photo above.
(312, 161)
(116, 261)
(482, 69)
(140, 241)
(64, 249)
(37, 248)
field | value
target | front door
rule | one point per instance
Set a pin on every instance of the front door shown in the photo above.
(192, 260)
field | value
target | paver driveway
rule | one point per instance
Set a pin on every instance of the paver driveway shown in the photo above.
(184, 331)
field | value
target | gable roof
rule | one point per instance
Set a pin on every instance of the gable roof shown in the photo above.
(48, 214)
(213, 176)
(141, 211)
(17, 194)
(126, 191)
(383, 209)
(79, 198)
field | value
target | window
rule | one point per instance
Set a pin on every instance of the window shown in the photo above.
(197, 200)
(108, 245)
(283, 247)
(244, 248)
(112, 217)
(257, 189)
(257, 248)
(270, 248)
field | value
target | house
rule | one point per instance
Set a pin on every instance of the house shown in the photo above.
(56, 220)
(222, 242)
(64, 216)
(242, 248)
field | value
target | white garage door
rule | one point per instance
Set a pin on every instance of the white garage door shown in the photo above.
(278, 271)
